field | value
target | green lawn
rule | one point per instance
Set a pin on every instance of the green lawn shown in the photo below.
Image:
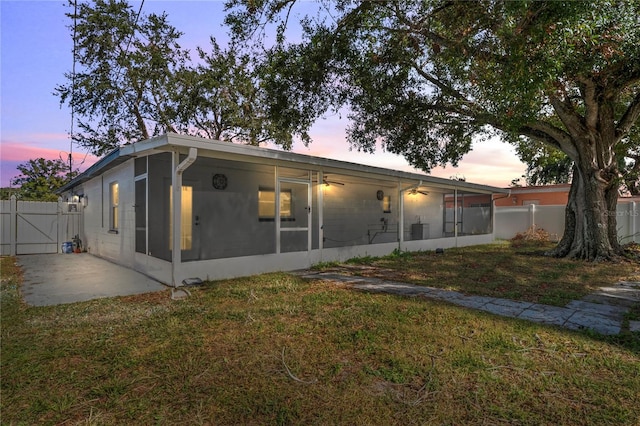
(512, 271)
(274, 349)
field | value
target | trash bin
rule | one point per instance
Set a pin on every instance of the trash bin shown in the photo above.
(67, 247)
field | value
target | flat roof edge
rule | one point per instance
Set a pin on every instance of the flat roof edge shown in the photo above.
(170, 140)
(273, 154)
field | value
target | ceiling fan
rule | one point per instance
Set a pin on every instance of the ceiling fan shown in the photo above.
(416, 191)
(327, 182)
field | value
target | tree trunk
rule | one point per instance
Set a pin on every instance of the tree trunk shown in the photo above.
(590, 219)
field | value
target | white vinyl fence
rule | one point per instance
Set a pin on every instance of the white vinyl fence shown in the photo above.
(511, 220)
(34, 227)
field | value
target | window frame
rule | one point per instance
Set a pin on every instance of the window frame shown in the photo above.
(386, 204)
(286, 210)
(114, 207)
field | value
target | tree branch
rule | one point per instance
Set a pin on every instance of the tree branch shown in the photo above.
(591, 103)
(444, 87)
(629, 118)
(568, 115)
(551, 135)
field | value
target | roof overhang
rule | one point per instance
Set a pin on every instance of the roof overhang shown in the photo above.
(109, 161)
(172, 142)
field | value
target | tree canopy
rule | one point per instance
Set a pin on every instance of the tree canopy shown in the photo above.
(40, 178)
(123, 89)
(428, 78)
(134, 81)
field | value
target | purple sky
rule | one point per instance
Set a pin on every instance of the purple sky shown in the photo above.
(36, 52)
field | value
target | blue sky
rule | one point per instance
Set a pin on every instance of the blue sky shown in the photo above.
(35, 52)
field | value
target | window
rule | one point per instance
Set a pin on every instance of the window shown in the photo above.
(267, 204)
(186, 230)
(386, 204)
(114, 202)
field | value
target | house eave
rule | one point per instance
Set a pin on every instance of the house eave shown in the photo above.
(109, 161)
(172, 141)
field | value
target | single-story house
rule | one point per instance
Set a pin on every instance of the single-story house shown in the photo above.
(177, 207)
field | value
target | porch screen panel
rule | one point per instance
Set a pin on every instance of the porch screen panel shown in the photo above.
(186, 234)
(467, 213)
(358, 211)
(141, 215)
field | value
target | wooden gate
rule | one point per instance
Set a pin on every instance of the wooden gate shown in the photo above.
(37, 227)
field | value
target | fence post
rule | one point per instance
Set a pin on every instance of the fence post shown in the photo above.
(634, 214)
(59, 233)
(532, 215)
(13, 224)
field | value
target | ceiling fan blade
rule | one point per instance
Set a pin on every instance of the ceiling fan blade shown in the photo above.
(327, 181)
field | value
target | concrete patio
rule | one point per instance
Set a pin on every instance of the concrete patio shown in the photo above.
(54, 279)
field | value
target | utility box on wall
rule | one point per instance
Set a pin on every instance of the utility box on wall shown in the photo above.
(419, 231)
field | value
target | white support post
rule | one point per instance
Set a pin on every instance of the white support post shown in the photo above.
(320, 211)
(276, 197)
(455, 216)
(401, 216)
(178, 169)
(176, 197)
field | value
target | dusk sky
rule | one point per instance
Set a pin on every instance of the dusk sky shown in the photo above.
(36, 51)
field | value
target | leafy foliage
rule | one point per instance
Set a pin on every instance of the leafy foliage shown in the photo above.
(125, 88)
(135, 81)
(545, 164)
(40, 178)
(425, 77)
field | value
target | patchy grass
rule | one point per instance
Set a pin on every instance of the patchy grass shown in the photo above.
(513, 271)
(274, 349)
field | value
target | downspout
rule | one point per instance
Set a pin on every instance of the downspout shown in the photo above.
(176, 182)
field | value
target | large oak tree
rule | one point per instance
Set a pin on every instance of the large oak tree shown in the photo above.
(426, 77)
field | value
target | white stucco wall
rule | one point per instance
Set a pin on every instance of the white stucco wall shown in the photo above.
(118, 247)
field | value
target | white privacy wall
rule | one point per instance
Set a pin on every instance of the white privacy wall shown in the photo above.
(511, 220)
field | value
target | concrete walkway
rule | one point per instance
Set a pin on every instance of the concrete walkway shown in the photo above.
(602, 312)
(54, 279)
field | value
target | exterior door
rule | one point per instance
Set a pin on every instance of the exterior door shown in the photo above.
(294, 210)
(141, 215)
(189, 238)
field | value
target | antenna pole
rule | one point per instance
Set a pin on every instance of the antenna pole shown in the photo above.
(73, 88)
